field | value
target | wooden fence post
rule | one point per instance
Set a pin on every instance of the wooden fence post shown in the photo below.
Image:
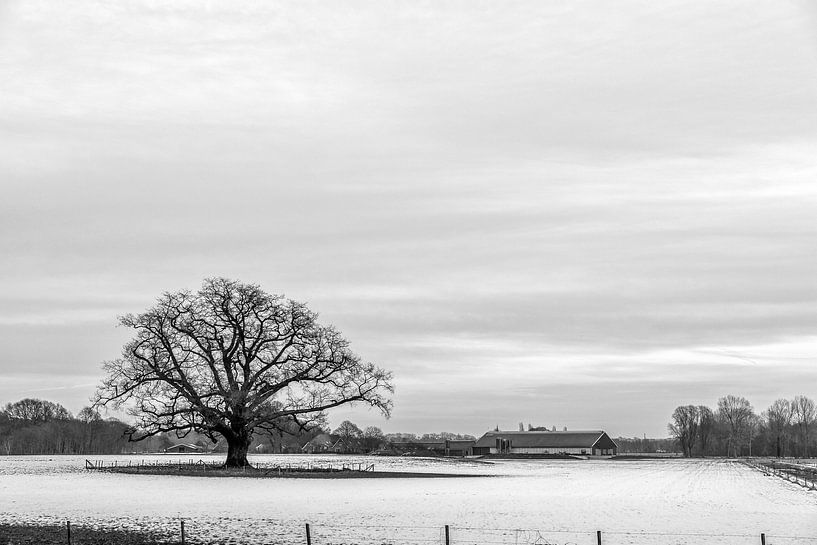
(447, 535)
(598, 536)
(68, 530)
(182, 532)
(308, 536)
(762, 539)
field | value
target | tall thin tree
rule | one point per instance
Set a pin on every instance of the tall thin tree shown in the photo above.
(804, 413)
(778, 419)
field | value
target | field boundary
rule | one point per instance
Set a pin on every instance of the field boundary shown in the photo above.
(802, 474)
(70, 533)
(200, 465)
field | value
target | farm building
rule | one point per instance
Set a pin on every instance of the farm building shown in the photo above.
(589, 443)
(459, 447)
(417, 446)
(320, 443)
(348, 445)
(181, 448)
(439, 447)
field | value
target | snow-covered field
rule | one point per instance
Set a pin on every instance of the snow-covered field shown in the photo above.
(521, 502)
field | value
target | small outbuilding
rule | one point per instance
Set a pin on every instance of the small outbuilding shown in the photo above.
(583, 443)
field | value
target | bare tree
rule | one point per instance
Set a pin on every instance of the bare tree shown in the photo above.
(684, 427)
(706, 425)
(373, 438)
(88, 415)
(778, 419)
(230, 359)
(753, 427)
(736, 413)
(803, 415)
(6, 433)
(349, 434)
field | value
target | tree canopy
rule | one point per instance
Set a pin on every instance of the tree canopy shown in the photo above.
(230, 359)
(36, 410)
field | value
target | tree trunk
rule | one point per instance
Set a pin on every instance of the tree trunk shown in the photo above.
(237, 447)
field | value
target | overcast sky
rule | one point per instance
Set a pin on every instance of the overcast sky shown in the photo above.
(576, 213)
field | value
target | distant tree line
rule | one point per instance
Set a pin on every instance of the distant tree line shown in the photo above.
(733, 428)
(348, 437)
(442, 436)
(645, 445)
(35, 426)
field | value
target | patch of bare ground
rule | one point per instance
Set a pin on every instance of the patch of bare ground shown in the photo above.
(30, 534)
(288, 473)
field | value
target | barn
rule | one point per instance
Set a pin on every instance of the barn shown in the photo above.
(587, 443)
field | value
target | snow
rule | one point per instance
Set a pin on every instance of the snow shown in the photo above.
(521, 502)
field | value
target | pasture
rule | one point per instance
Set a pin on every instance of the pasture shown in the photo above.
(522, 502)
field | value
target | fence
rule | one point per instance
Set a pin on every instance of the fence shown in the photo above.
(802, 474)
(201, 465)
(448, 535)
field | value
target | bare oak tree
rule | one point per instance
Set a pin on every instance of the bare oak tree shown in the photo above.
(231, 359)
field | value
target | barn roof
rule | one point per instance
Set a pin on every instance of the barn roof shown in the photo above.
(321, 440)
(543, 439)
(460, 442)
(191, 446)
(431, 444)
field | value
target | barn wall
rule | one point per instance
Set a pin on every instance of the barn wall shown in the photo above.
(604, 442)
(541, 450)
